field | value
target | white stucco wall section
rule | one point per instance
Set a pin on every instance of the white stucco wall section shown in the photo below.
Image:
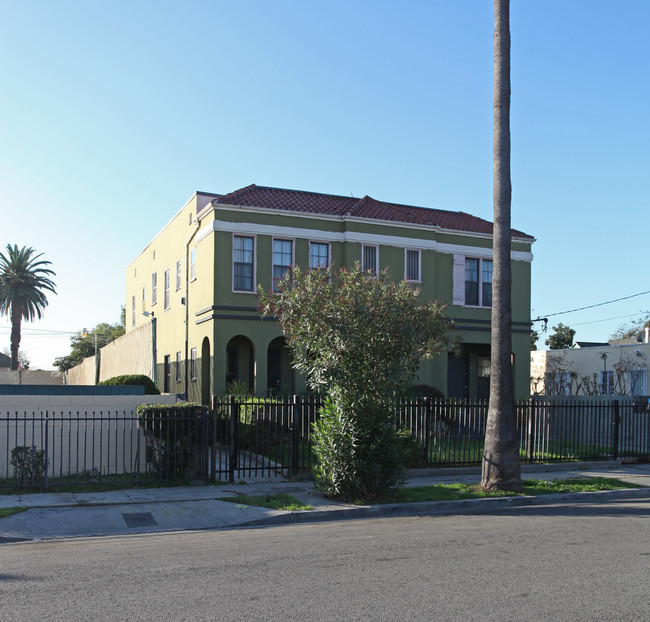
(354, 236)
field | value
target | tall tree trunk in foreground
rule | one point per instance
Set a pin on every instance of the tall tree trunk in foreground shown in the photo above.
(501, 470)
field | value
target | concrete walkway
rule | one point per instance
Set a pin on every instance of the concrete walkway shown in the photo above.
(151, 510)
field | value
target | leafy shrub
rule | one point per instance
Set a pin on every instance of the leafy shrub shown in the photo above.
(133, 379)
(261, 421)
(361, 455)
(414, 454)
(29, 464)
(424, 390)
(172, 432)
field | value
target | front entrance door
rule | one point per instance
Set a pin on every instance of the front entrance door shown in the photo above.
(458, 375)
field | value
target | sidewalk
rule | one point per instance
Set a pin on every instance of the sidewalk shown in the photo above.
(151, 510)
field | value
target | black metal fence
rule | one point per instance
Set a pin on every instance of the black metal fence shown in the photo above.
(248, 437)
(272, 436)
(52, 449)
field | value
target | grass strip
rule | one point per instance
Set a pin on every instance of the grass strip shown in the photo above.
(275, 502)
(4, 512)
(451, 492)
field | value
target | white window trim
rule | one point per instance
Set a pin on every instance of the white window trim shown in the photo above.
(232, 264)
(293, 254)
(458, 297)
(154, 288)
(179, 360)
(167, 289)
(179, 274)
(329, 253)
(193, 270)
(376, 247)
(419, 252)
(132, 311)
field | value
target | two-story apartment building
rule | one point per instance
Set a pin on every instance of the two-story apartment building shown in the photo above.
(199, 276)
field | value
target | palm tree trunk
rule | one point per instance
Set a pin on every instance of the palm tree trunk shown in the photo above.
(16, 321)
(501, 469)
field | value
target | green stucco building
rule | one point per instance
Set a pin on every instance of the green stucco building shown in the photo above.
(199, 277)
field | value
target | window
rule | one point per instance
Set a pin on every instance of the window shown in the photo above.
(638, 382)
(154, 288)
(193, 263)
(178, 366)
(369, 259)
(412, 264)
(167, 278)
(318, 255)
(606, 381)
(132, 310)
(557, 383)
(144, 296)
(282, 259)
(472, 281)
(178, 275)
(193, 364)
(242, 264)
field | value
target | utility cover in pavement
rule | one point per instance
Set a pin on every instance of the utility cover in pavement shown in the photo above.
(140, 519)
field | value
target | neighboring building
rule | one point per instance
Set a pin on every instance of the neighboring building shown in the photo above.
(617, 369)
(199, 277)
(5, 362)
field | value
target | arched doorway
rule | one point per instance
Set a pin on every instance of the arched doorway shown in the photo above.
(206, 368)
(240, 362)
(279, 369)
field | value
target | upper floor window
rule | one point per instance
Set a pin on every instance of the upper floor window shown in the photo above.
(282, 259)
(412, 265)
(243, 257)
(318, 255)
(166, 284)
(193, 263)
(478, 282)
(132, 310)
(154, 288)
(178, 275)
(369, 259)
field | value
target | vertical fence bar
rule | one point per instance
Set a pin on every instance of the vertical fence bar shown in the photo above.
(47, 460)
(294, 436)
(234, 434)
(615, 422)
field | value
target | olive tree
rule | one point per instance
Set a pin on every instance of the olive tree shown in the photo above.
(359, 339)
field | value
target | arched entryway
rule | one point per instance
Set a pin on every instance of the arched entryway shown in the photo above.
(279, 369)
(206, 368)
(240, 362)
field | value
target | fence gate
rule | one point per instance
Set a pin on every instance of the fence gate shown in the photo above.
(261, 437)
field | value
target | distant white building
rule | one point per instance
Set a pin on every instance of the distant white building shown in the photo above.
(592, 369)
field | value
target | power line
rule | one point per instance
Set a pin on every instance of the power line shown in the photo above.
(600, 304)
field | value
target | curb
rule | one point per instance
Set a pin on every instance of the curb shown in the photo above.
(445, 508)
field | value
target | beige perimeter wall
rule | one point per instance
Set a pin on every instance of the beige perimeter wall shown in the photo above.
(130, 354)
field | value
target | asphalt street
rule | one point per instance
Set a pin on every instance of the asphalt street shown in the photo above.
(558, 562)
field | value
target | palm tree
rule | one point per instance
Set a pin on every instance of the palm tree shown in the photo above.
(501, 469)
(23, 282)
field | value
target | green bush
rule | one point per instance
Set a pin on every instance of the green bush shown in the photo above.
(261, 423)
(29, 464)
(133, 379)
(172, 432)
(361, 455)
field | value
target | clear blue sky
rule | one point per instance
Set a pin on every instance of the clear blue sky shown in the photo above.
(112, 113)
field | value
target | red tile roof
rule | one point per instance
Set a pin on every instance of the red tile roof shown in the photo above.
(367, 207)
